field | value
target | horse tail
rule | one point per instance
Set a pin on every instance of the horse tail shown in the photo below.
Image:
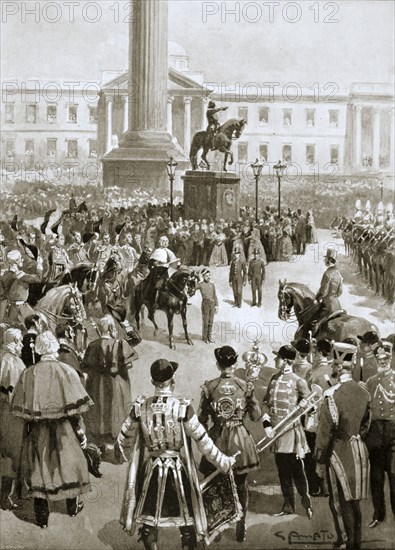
(197, 143)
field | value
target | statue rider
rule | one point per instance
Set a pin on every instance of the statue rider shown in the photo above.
(213, 122)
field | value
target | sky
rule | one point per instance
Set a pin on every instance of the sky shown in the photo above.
(230, 42)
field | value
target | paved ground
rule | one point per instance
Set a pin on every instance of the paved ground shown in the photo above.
(97, 526)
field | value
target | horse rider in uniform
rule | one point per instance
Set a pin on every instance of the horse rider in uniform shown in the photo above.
(58, 261)
(14, 287)
(287, 391)
(77, 251)
(358, 212)
(340, 450)
(213, 122)
(161, 428)
(227, 401)
(380, 438)
(331, 285)
(368, 218)
(160, 257)
(104, 251)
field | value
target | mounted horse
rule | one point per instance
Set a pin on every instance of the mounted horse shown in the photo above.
(232, 129)
(172, 297)
(337, 326)
(111, 283)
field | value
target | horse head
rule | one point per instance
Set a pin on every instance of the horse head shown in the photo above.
(285, 301)
(192, 282)
(239, 130)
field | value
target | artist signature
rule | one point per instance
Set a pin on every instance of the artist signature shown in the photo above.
(293, 537)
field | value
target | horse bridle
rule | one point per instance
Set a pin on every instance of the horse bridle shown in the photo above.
(284, 309)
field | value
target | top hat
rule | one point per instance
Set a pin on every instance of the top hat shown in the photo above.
(302, 345)
(286, 352)
(163, 370)
(225, 356)
(331, 255)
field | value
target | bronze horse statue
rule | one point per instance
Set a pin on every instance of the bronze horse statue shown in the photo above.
(336, 326)
(172, 298)
(232, 129)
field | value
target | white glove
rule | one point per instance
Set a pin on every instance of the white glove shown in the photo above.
(269, 432)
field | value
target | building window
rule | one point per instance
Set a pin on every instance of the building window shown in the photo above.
(333, 118)
(334, 154)
(72, 113)
(263, 152)
(263, 116)
(242, 151)
(9, 112)
(310, 154)
(92, 114)
(287, 153)
(10, 149)
(31, 114)
(51, 147)
(72, 148)
(92, 149)
(51, 113)
(243, 113)
(287, 117)
(310, 117)
(29, 153)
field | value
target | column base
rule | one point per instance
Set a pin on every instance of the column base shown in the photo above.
(140, 160)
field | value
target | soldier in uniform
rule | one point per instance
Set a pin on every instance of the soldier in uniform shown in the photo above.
(285, 392)
(389, 218)
(321, 370)
(161, 427)
(379, 220)
(226, 401)
(15, 287)
(358, 212)
(213, 122)
(58, 261)
(367, 218)
(380, 439)
(209, 305)
(340, 450)
(77, 252)
(256, 277)
(104, 250)
(331, 285)
(365, 363)
(237, 276)
(129, 254)
(301, 365)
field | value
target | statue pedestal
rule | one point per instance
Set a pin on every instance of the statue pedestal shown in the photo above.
(211, 195)
(140, 161)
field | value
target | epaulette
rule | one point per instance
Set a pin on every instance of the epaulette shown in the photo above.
(184, 404)
(137, 405)
(331, 391)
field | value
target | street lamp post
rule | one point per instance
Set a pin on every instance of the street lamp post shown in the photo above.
(171, 170)
(257, 169)
(279, 168)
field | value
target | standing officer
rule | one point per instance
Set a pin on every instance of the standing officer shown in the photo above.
(285, 392)
(344, 420)
(237, 276)
(209, 305)
(256, 277)
(380, 439)
(331, 284)
(227, 400)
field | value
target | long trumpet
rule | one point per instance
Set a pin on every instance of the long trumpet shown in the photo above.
(289, 421)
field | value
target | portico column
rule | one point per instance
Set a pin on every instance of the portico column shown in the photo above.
(187, 124)
(109, 103)
(125, 113)
(170, 100)
(376, 138)
(357, 135)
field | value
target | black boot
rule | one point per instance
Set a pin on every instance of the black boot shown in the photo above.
(7, 485)
(188, 538)
(41, 512)
(73, 506)
(241, 530)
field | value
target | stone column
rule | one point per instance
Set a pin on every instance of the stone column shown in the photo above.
(187, 124)
(357, 135)
(170, 100)
(391, 144)
(109, 104)
(376, 138)
(145, 148)
(125, 113)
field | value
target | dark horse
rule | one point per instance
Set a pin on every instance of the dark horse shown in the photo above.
(222, 142)
(172, 298)
(110, 287)
(338, 326)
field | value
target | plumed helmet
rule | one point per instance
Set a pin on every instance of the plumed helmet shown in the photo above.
(358, 204)
(380, 207)
(225, 356)
(367, 206)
